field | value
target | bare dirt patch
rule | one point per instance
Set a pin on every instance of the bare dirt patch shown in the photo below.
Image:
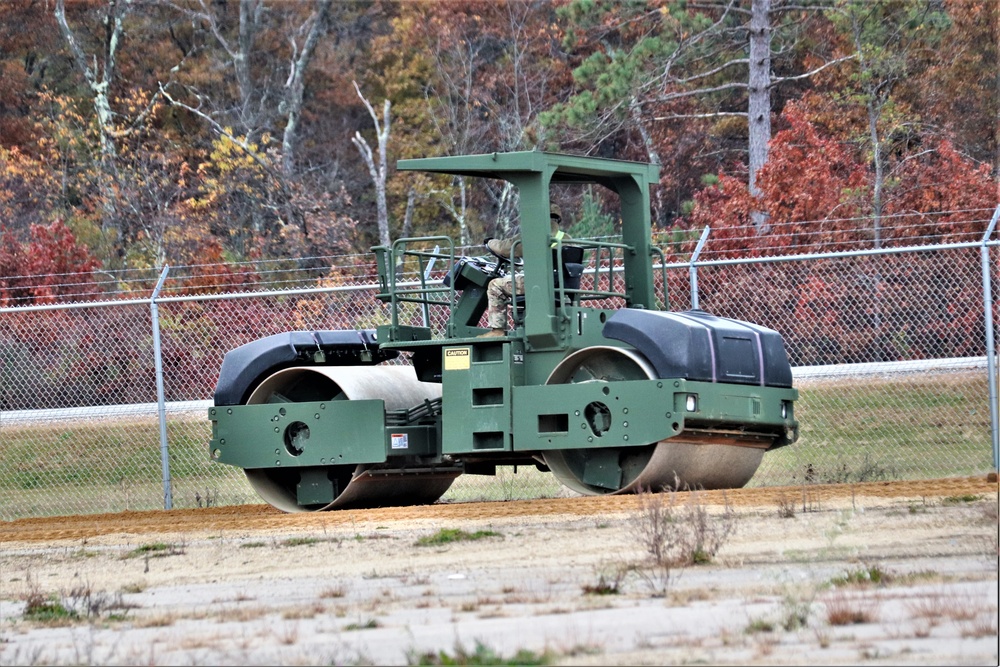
(898, 572)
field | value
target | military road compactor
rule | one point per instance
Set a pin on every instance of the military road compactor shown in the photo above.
(595, 381)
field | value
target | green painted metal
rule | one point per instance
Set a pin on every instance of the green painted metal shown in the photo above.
(497, 402)
(272, 435)
(477, 380)
(532, 172)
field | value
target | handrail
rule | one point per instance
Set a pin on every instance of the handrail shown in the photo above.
(610, 269)
(421, 295)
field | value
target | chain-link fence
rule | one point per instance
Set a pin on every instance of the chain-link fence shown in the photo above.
(890, 351)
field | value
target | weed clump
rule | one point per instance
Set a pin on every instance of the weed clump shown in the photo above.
(82, 603)
(842, 609)
(675, 535)
(608, 582)
(871, 575)
(156, 550)
(449, 535)
(480, 655)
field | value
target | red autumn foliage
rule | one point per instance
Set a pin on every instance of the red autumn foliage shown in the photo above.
(49, 266)
(914, 305)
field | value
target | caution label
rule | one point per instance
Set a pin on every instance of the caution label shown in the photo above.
(457, 358)
(400, 440)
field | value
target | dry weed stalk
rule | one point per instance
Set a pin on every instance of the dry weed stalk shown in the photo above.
(949, 605)
(675, 535)
(786, 507)
(844, 609)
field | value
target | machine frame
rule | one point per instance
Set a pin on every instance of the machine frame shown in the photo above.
(578, 386)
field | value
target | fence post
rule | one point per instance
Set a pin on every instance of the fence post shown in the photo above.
(991, 364)
(693, 270)
(161, 408)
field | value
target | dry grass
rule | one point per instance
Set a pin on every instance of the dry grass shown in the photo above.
(337, 591)
(674, 535)
(945, 605)
(844, 609)
(786, 507)
(242, 614)
(161, 620)
(304, 611)
(980, 627)
(193, 643)
(287, 635)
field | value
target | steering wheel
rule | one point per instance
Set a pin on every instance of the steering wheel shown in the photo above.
(486, 264)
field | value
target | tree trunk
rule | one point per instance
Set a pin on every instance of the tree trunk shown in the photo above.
(759, 99)
(463, 222)
(296, 87)
(102, 106)
(635, 109)
(249, 17)
(378, 172)
(879, 165)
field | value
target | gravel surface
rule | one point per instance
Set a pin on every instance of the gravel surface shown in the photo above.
(794, 583)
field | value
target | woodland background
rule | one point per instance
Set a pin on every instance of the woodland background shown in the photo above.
(135, 133)
(251, 144)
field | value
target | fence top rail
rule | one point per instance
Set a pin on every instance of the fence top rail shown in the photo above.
(831, 255)
(225, 296)
(181, 299)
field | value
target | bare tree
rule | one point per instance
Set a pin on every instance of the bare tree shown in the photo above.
(313, 28)
(270, 89)
(885, 39)
(99, 68)
(665, 64)
(378, 170)
(99, 72)
(263, 103)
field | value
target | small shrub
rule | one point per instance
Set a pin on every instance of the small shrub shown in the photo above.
(608, 583)
(979, 628)
(680, 535)
(48, 610)
(786, 507)
(795, 613)
(871, 575)
(759, 625)
(156, 550)
(300, 541)
(673, 535)
(449, 535)
(842, 609)
(210, 499)
(481, 655)
(333, 592)
(80, 603)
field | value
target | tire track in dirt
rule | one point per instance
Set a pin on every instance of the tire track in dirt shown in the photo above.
(252, 518)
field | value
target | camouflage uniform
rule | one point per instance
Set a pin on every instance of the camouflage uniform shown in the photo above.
(499, 291)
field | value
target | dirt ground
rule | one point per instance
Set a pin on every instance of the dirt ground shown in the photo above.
(879, 573)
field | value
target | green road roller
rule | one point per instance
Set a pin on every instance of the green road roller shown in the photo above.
(594, 379)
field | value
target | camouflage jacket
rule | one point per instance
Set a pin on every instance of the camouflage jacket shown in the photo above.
(502, 247)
